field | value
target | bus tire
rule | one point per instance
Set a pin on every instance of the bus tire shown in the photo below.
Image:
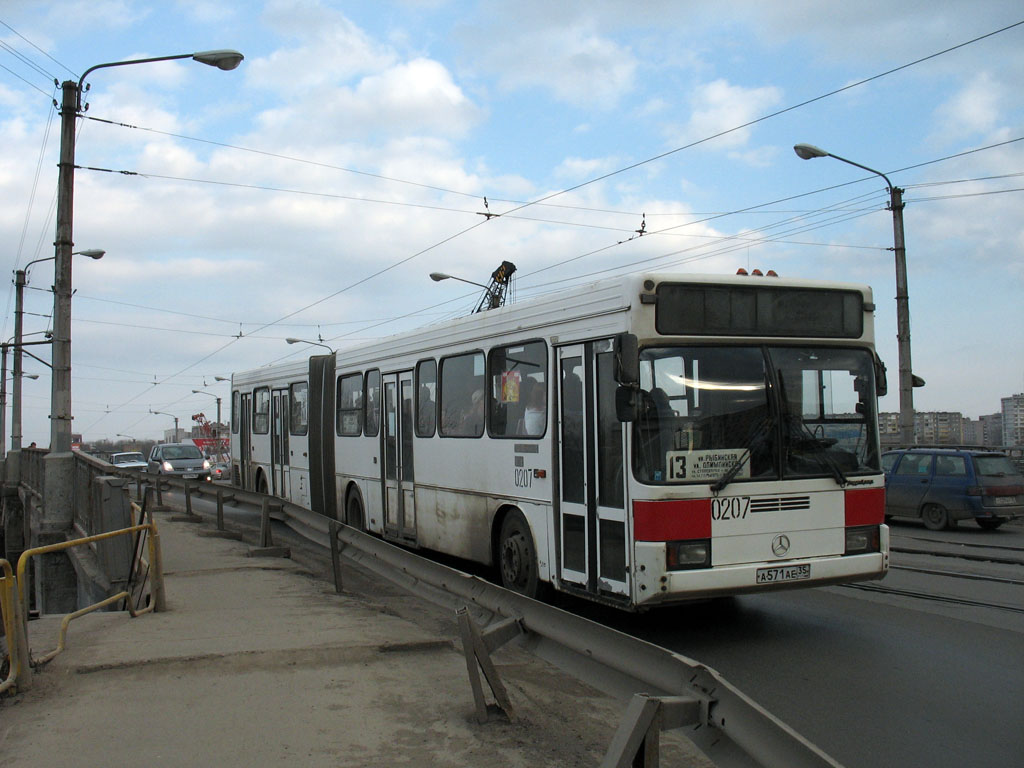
(354, 511)
(517, 556)
(261, 484)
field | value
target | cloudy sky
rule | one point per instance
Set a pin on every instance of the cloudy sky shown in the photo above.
(310, 192)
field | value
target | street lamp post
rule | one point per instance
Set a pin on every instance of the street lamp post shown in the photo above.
(165, 413)
(492, 300)
(907, 379)
(20, 281)
(71, 106)
(16, 377)
(210, 394)
(307, 341)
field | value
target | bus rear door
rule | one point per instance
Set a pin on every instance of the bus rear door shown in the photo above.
(397, 467)
(594, 554)
(279, 460)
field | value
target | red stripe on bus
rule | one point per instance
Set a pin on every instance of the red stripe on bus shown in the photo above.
(672, 520)
(865, 506)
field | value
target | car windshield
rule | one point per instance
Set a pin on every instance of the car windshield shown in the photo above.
(742, 413)
(171, 452)
(128, 458)
(994, 466)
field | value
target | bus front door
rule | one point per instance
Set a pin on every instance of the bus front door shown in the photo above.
(593, 552)
(279, 460)
(245, 442)
(397, 467)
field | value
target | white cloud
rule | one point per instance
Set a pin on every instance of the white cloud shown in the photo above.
(331, 49)
(574, 63)
(973, 110)
(578, 169)
(718, 106)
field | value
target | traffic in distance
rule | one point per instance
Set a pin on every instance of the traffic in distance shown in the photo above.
(636, 441)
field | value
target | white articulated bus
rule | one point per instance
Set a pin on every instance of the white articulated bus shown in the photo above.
(638, 441)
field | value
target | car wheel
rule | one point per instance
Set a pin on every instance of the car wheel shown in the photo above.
(935, 517)
(988, 523)
(517, 556)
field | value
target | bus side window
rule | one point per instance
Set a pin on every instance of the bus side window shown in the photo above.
(518, 375)
(462, 395)
(261, 411)
(426, 398)
(371, 402)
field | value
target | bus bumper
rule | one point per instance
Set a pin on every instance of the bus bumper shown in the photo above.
(718, 581)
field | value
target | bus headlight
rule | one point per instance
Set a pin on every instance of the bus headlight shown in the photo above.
(681, 555)
(861, 539)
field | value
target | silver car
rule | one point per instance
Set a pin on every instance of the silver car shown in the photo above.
(183, 460)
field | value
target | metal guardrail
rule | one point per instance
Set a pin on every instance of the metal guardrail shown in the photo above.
(725, 724)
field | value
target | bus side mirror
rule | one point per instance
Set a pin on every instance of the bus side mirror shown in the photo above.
(881, 384)
(627, 403)
(627, 358)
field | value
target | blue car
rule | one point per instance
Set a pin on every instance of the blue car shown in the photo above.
(942, 486)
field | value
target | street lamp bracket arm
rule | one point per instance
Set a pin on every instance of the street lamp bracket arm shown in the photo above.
(222, 59)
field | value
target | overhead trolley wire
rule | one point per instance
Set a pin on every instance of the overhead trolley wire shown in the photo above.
(602, 177)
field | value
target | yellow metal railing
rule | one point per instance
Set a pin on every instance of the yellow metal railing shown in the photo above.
(14, 627)
(13, 600)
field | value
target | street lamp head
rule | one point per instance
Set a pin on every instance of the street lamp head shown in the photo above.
(92, 253)
(222, 59)
(30, 375)
(221, 378)
(809, 151)
(290, 340)
(439, 276)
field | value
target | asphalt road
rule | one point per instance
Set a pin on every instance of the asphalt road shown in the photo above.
(914, 677)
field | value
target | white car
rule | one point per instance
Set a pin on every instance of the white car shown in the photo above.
(128, 460)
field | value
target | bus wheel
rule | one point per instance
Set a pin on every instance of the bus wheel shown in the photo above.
(354, 512)
(935, 517)
(517, 558)
(262, 485)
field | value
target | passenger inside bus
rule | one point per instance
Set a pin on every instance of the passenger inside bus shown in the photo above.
(533, 413)
(473, 420)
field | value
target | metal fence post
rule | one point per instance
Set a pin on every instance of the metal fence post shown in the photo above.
(220, 510)
(20, 641)
(266, 537)
(156, 570)
(335, 555)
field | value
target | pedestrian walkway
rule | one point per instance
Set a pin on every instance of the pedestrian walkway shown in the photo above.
(259, 662)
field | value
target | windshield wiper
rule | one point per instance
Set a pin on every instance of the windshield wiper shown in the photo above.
(757, 437)
(822, 445)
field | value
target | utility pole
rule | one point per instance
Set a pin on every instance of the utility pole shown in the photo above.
(3, 402)
(902, 319)
(60, 424)
(19, 311)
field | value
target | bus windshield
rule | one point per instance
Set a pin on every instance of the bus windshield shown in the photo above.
(737, 413)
